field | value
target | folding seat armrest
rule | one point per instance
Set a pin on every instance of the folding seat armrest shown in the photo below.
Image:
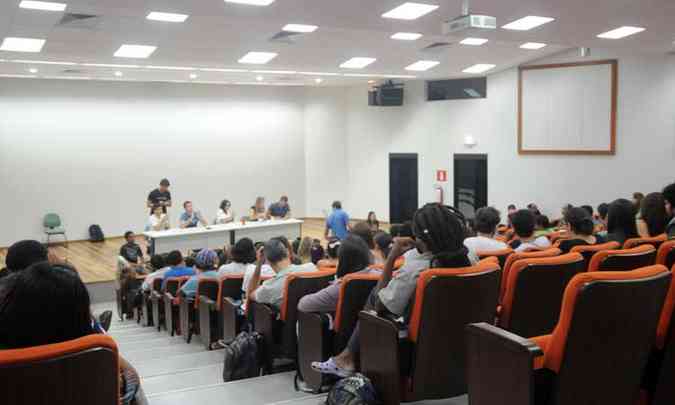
(500, 366)
(312, 346)
(379, 340)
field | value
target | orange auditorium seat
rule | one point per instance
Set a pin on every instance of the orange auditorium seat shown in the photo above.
(623, 260)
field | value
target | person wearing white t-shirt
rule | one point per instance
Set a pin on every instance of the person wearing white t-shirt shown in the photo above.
(523, 225)
(243, 259)
(225, 214)
(486, 222)
(158, 221)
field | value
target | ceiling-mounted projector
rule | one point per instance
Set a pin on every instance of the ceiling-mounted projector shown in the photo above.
(469, 21)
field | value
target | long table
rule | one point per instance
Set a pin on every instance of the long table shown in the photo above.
(216, 236)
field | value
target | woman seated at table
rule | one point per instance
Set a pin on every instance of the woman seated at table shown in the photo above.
(258, 211)
(225, 214)
(158, 221)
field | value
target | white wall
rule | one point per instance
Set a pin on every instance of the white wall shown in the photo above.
(91, 151)
(435, 130)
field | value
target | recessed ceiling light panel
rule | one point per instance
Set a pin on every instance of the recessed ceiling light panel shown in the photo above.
(527, 23)
(406, 36)
(621, 32)
(258, 58)
(410, 11)
(302, 28)
(422, 65)
(357, 63)
(532, 45)
(135, 51)
(42, 5)
(167, 17)
(251, 2)
(15, 44)
(479, 68)
(473, 41)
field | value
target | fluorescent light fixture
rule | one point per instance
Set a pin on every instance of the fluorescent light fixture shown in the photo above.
(223, 70)
(527, 23)
(33, 70)
(42, 5)
(398, 76)
(358, 75)
(119, 74)
(422, 65)
(410, 11)
(319, 74)
(168, 67)
(260, 78)
(318, 80)
(18, 76)
(473, 41)
(42, 62)
(532, 45)
(302, 28)
(621, 32)
(276, 72)
(258, 58)
(135, 51)
(357, 63)
(193, 76)
(69, 77)
(406, 36)
(167, 17)
(15, 44)
(251, 2)
(110, 65)
(479, 68)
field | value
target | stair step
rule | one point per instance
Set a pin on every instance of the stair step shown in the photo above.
(276, 388)
(141, 337)
(182, 362)
(130, 331)
(159, 340)
(204, 376)
(138, 356)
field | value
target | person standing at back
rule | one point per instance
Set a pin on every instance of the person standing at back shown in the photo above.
(337, 222)
(160, 196)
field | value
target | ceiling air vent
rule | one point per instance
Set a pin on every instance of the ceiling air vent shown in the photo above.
(80, 21)
(436, 47)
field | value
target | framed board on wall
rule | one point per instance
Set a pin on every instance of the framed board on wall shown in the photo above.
(568, 108)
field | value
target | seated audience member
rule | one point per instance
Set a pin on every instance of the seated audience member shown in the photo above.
(317, 251)
(158, 220)
(669, 197)
(523, 225)
(373, 223)
(160, 267)
(561, 222)
(621, 224)
(47, 304)
(243, 259)
(637, 202)
(225, 214)
(383, 243)
(653, 216)
(179, 267)
(439, 234)
(305, 250)
(332, 253)
(403, 230)
(279, 209)
(579, 230)
(289, 247)
(354, 258)
(23, 254)
(191, 218)
(601, 228)
(207, 267)
(224, 254)
(362, 230)
(190, 262)
(271, 291)
(257, 211)
(132, 253)
(487, 219)
(542, 226)
(534, 209)
(510, 210)
(337, 223)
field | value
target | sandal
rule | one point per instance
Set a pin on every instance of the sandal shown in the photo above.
(330, 367)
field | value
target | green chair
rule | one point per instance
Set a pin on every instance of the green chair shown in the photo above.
(53, 226)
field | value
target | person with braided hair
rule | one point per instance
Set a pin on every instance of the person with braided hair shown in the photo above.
(439, 232)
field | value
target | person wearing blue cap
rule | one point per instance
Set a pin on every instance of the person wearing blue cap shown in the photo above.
(207, 266)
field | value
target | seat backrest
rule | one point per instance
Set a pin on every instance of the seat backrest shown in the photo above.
(230, 286)
(607, 327)
(587, 251)
(157, 284)
(665, 343)
(78, 372)
(623, 260)
(520, 256)
(354, 291)
(51, 220)
(534, 291)
(666, 254)
(173, 284)
(446, 300)
(655, 241)
(501, 255)
(208, 287)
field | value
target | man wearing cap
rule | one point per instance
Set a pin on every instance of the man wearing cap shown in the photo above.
(206, 263)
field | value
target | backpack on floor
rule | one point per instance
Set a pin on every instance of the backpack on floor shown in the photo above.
(354, 390)
(95, 233)
(243, 357)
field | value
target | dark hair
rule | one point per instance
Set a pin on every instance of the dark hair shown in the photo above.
(362, 230)
(186, 203)
(533, 207)
(442, 230)
(588, 209)
(157, 262)
(653, 212)
(669, 194)
(174, 258)
(375, 221)
(337, 205)
(44, 304)
(243, 251)
(224, 204)
(127, 233)
(542, 221)
(333, 248)
(190, 261)
(523, 223)
(353, 255)
(284, 198)
(638, 196)
(23, 254)
(487, 219)
(275, 250)
(580, 221)
(405, 231)
(511, 207)
(621, 219)
(383, 241)
(165, 183)
(603, 209)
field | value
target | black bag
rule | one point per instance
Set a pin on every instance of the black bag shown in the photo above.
(354, 390)
(96, 234)
(243, 357)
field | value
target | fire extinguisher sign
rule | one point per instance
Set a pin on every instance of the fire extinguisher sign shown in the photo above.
(441, 176)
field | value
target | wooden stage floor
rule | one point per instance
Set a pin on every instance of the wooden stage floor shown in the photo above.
(96, 262)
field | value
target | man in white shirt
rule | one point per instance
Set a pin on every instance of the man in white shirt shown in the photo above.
(486, 222)
(523, 225)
